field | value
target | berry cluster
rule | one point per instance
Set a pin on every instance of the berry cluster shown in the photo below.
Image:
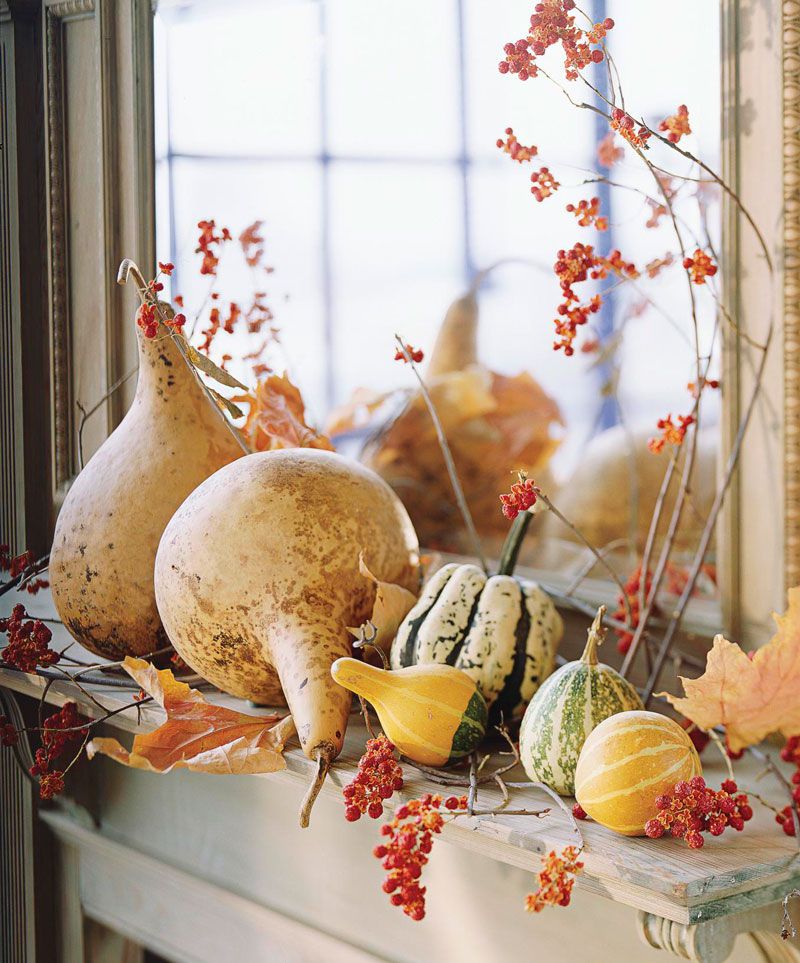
(512, 147)
(657, 210)
(59, 731)
(14, 564)
(571, 267)
(208, 245)
(671, 433)
(704, 383)
(615, 263)
(17, 565)
(28, 642)
(255, 316)
(587, 214)
(700, 266)
(607, 151)
(62, 728)
(416, 355)
(556, 879)
(409, 839)
(8, 734)
(258, 314)
(625, 126)
(252, 244)
(543, 184)
(214, 325)
(656, 266)
(677, 124)
(552, 23)
(522, 496)
(379, 776)
(633, 587)
(693, 809)
(790, 753)
(149, 316)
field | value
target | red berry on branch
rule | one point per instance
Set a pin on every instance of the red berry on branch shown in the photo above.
(378, 776)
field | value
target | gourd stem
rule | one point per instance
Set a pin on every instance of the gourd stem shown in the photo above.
(513, 543)
(324, 755)
(596, 636)
(129, 268)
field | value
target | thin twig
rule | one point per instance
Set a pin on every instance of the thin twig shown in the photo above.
(712, 735)
(583, 572)
(25, 576)
(705, 538)
(764, 758)
(85, 415)
(448, 458)
(365, 714)
(596, 552)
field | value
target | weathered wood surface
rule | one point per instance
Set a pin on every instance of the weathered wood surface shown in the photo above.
(729, 875)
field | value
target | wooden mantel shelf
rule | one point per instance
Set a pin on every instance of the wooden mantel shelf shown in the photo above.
(736, 873)
(691, 903)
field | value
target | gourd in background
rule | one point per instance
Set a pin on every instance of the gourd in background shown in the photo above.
(434, 714)
(257, 578)
(612, 493)
(500, 630)
(107, 532)
(567, 707)
(495, 424)
(626, 763)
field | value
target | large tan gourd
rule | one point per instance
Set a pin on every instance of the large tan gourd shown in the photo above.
(107, 533)
(257, 579)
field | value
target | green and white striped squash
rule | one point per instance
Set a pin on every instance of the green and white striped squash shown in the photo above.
(568, 706)
(500, 630)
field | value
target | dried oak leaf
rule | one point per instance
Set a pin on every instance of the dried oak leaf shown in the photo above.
(276, 417)
(392, 605)
(751, 695)
(198, 735)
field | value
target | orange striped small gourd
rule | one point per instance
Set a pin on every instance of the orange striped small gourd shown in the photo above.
(626, 762)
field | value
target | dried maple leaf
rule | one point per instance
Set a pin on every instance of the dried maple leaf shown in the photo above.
(197, 735)
(751, 695)
(392, 605)
(494, 424)
(276, 417)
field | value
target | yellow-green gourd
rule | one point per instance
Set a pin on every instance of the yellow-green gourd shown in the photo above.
(434, 714)
(570, 703)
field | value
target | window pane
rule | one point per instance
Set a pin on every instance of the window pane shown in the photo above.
(392, 78)
(397, 262)
(243, 78)
(287, 198)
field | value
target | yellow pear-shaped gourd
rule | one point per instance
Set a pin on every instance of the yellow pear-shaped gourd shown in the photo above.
(107, 533)
(434, 714)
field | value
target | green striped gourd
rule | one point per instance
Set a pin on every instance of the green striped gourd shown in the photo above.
(567, 707)
(500, 630)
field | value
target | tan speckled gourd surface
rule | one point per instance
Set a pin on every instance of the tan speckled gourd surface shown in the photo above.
(107, 533)
(257, 578)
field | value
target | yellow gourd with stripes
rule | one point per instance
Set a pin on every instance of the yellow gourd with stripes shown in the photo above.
(626, 762)
(432, 713)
